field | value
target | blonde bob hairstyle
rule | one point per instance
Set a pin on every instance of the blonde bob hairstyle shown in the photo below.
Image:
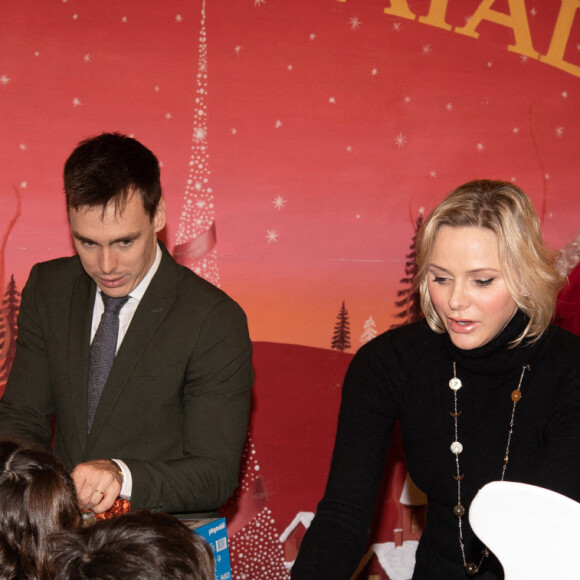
(528, 267)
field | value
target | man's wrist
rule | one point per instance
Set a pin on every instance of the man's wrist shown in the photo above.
(125, 477)
(118, 470)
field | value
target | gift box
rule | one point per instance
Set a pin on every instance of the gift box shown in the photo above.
(214, 532)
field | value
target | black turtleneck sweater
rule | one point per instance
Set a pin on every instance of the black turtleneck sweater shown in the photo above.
(404, 374)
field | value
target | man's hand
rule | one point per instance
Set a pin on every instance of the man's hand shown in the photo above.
(98, 484)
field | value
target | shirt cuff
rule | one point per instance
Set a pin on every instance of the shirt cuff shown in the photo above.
(127, 487)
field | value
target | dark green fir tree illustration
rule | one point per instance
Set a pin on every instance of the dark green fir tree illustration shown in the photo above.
(341, 336)
(408, 301)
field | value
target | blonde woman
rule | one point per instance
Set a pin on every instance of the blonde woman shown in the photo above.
(485, 389)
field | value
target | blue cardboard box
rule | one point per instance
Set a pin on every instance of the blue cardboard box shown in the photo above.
(214, 532)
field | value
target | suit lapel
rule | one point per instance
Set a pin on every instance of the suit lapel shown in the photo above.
(150, 313)
(81, 313)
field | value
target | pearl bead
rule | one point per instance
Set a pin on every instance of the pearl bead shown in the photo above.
(455, 384)
(456, 447)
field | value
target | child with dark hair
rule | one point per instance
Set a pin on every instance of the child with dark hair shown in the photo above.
(141, 545)
(37, 498)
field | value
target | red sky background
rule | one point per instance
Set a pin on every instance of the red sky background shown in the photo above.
(356, 119)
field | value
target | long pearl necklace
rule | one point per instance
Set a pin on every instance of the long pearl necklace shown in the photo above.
(456, 448)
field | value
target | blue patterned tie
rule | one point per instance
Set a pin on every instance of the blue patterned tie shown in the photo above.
(102, 352)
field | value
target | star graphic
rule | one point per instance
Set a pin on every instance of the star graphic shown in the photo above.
(480, 146)
(397, 26)
(354, 23)
(87, 58)
(313, 36)
(427, 49)
(564, 94)
(279, 202)
(76, 102)
(278, 124)
(4, 80)
(178, 18)
(23, 185)
(400, 140)
(168, 116)
(237, 49)
(22, 147)
(375, 72)
(272, 236)
(259, 2)
(559, 131)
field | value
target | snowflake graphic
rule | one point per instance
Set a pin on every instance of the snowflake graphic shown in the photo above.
(397, 26)
(400, 140)
(4, 80)
(279, 202)
(278, 124)
(199, 134)
(272, 236)
(76, 102)
(480, 146)
(355, 23)
(427, 49)
(559, 131)
(259, 2)
(178, 18)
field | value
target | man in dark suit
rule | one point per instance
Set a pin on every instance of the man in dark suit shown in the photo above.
(168, 428)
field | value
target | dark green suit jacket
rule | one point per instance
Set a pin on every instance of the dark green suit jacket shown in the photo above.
(176, 404)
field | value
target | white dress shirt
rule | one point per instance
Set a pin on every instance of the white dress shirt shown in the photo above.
(125, 317)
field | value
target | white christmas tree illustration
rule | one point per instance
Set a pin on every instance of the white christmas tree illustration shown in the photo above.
(369, 330)
(196, 234)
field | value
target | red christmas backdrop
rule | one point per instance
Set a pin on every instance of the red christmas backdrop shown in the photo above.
(300, 142)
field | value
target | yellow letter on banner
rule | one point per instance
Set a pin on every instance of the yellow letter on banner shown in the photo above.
(436, 16)
(400, 8)
(517, 20)
(560, 36)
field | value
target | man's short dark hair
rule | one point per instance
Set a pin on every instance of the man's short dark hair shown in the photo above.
(109, 168)
(140, 545)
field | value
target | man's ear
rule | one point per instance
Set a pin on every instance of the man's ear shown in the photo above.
(159, 218)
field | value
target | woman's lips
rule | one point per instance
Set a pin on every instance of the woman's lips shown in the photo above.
(461, 326)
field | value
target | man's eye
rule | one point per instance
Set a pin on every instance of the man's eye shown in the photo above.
(87, 244)
(125, 243)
